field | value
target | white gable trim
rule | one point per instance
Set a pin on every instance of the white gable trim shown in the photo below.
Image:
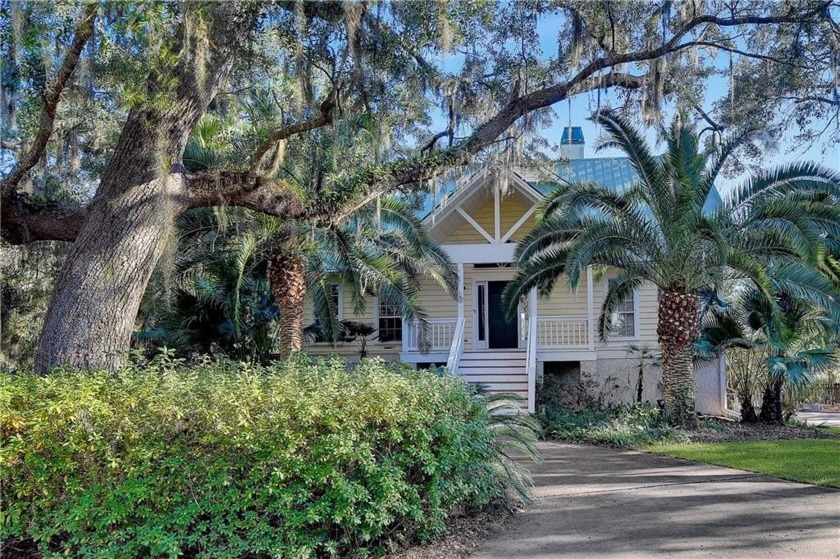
(453, 201)
(480, 254)
(528, 190)
(497, 213)
(475, 224)
(447, 205)
(519, 223)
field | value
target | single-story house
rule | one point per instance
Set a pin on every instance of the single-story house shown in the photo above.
(478, 222)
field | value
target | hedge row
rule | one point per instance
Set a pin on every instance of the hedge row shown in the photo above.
(299, 459)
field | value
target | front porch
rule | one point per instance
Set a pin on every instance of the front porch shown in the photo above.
(503, 353)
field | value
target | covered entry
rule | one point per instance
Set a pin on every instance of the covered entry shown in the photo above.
(494, 329)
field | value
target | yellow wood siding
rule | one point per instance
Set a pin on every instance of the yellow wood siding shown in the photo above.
(564, 301)
(511, 211)
(648, 300)
(435, 300)
(466, 234)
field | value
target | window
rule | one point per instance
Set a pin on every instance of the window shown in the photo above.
(624, 318)
(390, 321)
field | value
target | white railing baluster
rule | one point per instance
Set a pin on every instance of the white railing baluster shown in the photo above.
(562, 332)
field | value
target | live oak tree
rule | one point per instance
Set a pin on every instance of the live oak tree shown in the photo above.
(146, 73)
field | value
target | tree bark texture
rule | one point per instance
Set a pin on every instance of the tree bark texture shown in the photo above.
(771, 403)
(287, 278)
(98, 291)
(748, 414)
(678, 328)
(141, 192)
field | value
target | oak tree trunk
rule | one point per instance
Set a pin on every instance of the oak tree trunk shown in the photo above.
(98, 290)
(287, 278)
(141, 192)
(678, 327)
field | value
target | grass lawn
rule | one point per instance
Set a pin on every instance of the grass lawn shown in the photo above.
(835, 430)
(815, 461)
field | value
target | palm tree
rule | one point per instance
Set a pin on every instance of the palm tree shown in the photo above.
(381, 250)
(789, 339)
(211, 296)
(771, 232)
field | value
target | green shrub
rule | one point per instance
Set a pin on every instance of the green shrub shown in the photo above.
(631, 426)
(300, 459)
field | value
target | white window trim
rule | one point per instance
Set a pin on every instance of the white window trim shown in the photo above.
(636, 321)
(376, 325)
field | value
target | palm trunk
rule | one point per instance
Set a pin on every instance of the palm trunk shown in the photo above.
(748, 414)
(287, 278)
(771, 403)
(678, 327)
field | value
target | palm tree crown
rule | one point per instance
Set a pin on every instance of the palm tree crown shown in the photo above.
(774, 232)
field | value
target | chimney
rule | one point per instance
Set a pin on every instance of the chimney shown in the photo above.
(572, 143)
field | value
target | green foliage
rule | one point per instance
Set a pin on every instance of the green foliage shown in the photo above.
(27, 275)
(632, 426)
(787, 342)
(300, 459)
(772, 233)
(215, 299)
(805, 460)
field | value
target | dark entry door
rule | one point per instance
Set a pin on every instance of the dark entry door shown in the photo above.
(503, 332)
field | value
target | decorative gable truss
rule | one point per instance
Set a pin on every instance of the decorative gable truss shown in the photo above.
(480, 212)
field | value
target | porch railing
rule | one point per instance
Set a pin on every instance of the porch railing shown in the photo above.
(440, 334)
(562, 332)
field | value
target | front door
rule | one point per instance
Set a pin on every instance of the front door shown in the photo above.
(503, 332)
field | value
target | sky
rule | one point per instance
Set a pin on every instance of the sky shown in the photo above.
(583, 105)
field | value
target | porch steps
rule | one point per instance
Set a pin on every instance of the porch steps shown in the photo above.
(498, 371)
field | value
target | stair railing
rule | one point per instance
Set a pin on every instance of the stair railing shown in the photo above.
(531, 356)
(457, 347)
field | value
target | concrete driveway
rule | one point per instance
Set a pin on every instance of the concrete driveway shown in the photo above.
(829, 419)
(597, 502)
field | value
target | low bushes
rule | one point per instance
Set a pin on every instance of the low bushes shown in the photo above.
(300, 459)
(632, 426)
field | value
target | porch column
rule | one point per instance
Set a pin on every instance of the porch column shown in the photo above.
(590, 308)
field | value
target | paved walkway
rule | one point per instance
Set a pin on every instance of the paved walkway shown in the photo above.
(597, 502)
(829, 419)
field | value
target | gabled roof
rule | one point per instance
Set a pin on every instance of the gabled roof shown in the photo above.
(613, 172)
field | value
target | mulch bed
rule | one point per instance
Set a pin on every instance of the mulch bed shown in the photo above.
(466, 535)
(736, 432)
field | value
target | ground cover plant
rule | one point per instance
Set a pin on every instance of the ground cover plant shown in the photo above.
(631, 426)
(806, 460)
(297, 459)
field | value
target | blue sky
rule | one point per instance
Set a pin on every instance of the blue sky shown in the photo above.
(584, 105)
